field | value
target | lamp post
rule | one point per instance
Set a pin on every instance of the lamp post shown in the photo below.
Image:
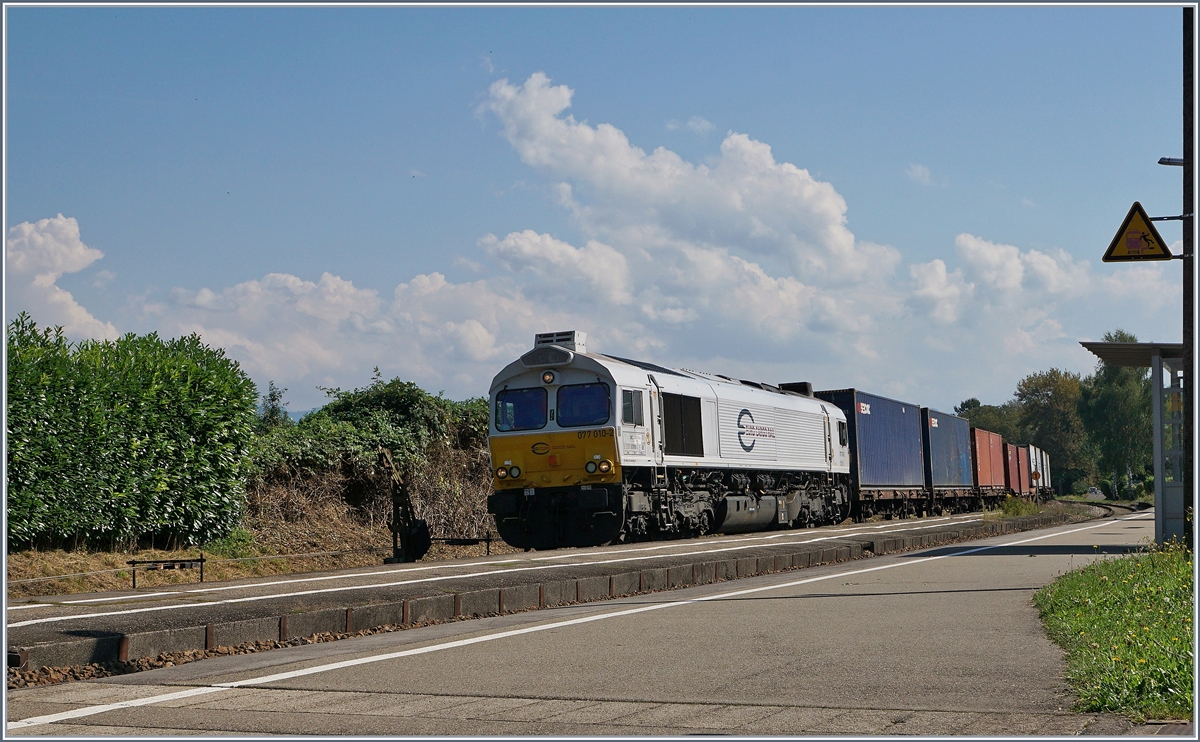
(1187, 162)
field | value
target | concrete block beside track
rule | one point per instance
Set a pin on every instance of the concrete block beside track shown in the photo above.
(747, 567)
(726, 569)
(154, 643)
(521, 597)
(558, 593)
(705, 572)
(625, 583)
(479, 603)
(380, 614)
(654, 579)
(332, 620)
(66, 654)
(679, 576)
(592, 588)
(434, 608)
(237, 632)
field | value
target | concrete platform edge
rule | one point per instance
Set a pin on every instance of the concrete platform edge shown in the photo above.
(531, 596)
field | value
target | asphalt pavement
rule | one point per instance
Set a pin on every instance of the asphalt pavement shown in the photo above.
(943, 641)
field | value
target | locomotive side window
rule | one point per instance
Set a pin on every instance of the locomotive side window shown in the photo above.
(521, 409)
(631, 407)
(842, 432)
(682, 433)
(583, 404)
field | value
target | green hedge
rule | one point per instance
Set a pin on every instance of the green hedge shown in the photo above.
(121, 440)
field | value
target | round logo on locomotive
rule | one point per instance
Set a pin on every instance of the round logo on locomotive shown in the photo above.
(742, 430)
(541, 448)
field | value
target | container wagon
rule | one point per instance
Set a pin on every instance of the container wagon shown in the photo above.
(887, 468)
(987, 453)
(1035, 462)
(1036, 475)
(1024, 488)
(1046, 486)
(1012, 476)
(949, 479)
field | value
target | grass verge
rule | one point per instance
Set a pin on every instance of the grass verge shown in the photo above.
(1126, 626)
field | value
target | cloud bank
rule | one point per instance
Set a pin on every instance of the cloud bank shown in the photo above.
(742, 265)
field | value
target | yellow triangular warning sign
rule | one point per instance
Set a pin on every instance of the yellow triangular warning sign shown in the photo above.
(1137, 239)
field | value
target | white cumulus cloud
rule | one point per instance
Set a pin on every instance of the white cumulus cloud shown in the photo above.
(745, 202)
(36, 256)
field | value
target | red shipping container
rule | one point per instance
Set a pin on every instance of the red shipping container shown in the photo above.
(987, 450)
(1012, 477)
(997, 444)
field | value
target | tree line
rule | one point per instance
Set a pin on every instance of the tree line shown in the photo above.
(1096, 429)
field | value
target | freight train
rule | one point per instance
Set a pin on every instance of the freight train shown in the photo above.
(590, 449)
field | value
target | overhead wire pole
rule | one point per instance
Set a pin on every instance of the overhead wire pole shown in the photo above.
(1189, 61)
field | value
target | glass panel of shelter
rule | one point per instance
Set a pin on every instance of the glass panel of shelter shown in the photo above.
(1172, 422)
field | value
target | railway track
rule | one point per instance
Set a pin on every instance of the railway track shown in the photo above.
(129, 625)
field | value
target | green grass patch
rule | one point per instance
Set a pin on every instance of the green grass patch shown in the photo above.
(1126, 626)
(1012, 507)
(239, 543)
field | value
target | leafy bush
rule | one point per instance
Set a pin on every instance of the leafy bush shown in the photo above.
(114, 441)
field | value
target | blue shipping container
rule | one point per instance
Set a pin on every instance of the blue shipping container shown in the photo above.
(885, 440)
(947, 443)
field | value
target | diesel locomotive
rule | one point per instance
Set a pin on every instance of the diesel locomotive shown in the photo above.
(589, 449)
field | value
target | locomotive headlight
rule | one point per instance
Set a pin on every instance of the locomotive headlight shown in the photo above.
(590, 466)
(548, 377)
(502, 473)
(605, 466)
(514, 472)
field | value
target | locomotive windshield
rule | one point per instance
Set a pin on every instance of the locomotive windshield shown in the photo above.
(521, 409)
(583, 404)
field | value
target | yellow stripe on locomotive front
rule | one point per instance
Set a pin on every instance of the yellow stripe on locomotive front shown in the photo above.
(555, 459)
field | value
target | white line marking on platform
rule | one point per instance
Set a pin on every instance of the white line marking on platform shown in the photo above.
(328, 667)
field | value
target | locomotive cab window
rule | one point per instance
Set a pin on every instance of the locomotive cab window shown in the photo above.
(631, 407)
(521, 409)
(842, 432)
(583, 404)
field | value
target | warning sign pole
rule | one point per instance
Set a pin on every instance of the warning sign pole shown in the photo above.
(1189, 287)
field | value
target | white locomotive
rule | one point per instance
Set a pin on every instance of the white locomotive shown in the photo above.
(589, 449)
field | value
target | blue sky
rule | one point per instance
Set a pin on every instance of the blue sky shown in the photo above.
(911, 200)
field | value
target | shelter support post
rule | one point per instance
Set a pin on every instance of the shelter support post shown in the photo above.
(1170, 490)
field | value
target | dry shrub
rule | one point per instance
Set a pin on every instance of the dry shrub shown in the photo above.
(299, 499)
(450, 491)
